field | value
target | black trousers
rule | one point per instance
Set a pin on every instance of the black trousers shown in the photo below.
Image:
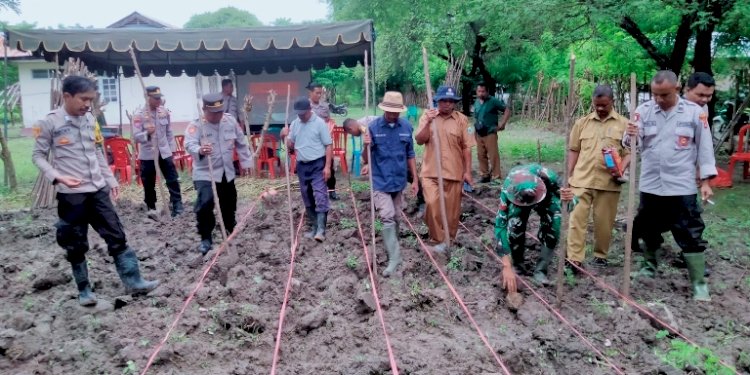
(148, 177)
(204, 206)
(79, 210)
(679, 214)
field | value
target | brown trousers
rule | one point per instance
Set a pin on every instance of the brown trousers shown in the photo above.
(432, 216)
(604, 206)
(487, 151)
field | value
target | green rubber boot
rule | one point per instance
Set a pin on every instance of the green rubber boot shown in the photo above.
(696, 265)
(648, 265)
(390, 242)
(540, 271)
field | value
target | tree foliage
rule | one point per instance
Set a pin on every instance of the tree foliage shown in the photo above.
(224, 17)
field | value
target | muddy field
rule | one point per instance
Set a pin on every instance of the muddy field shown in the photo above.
(330, 326)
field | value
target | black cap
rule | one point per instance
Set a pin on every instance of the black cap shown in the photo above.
(213, 102)
(154, 92)
(302, 105)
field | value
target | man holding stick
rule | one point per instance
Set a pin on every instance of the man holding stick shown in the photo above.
(675, 138)
(309, 137)
(154, 122)
(84, 184)
(215, 140)
(596, 184)
(455, 156)
(390, 139)
(528, 188)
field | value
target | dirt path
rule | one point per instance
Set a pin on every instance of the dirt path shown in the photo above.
(231, 325)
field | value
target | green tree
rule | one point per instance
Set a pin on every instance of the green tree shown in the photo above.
(12, 5)
(224, 17)
(282, 21)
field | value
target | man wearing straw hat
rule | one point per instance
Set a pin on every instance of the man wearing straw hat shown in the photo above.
(455, 156)
(392, 148)
(215, 139)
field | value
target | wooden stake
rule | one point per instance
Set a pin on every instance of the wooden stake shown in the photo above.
(435, 138)
(569, 110)
(155, 137)
(539, 150)
(286, 166)
(631, 192)
(369, 175)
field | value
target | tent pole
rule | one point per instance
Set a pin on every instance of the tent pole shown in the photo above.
(119, 98)
(6, 178)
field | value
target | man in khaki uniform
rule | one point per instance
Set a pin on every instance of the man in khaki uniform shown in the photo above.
(455, 158)
(153, 121)
(84, 183)
(215, 139)
(597, 190)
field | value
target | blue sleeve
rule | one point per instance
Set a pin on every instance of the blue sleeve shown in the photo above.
(410, 146)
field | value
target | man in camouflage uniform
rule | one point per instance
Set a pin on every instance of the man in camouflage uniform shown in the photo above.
(149, 122)
(528, 188)
(84, 184)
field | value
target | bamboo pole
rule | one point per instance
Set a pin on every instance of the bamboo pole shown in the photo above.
(369, 175)
(436, 138)
(155, 136)
(568, 121)
(631, 191)
(286, 166)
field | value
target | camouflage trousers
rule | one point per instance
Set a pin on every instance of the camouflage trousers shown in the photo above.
(549, 226)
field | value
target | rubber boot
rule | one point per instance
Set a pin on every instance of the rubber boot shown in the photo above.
(311, 222)
(390, 241)
(81, 275)
(648, 265)
(130, 274)
(177, 208)
(540, 271)
(320, 232)
(205, 246)
(696, 264)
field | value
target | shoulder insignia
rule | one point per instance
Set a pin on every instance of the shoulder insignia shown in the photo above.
(37, 129)
(191, 130)
(704, 119)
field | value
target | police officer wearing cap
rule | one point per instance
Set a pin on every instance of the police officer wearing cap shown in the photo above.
(150, 122)
(528, 188)
(84, 183)
(217, 135)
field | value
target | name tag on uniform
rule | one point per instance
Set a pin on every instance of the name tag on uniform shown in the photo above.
(684, 124)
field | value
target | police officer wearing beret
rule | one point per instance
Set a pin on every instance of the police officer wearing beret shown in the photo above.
(217, 136)
(84, 184)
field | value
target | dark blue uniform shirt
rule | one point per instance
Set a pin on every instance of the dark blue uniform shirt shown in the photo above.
(392, 147)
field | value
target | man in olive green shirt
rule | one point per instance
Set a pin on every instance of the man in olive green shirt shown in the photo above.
(597, 190)
(486, 123)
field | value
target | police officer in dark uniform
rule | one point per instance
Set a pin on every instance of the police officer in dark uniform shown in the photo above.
(84, 184)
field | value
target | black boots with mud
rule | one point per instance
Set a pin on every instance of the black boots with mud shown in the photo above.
(320, 232)
(81, 276)
(130, 274)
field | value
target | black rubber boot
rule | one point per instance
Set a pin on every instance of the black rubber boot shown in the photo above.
(177, 208)
(81, 274)
(312, 223)
(205, 246)
(333, 196)
(130, 274)
(320, 232)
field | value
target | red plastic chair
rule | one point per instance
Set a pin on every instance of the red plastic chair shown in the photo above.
(121, 151)
(742, 154)
(264, 157)
(137, 163)
(181, 157)
(339, 147)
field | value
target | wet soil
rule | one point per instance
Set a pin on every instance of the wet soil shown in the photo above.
(331, 328)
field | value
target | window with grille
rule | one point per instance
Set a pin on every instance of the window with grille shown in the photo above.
(108, 89)
(41, 73)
